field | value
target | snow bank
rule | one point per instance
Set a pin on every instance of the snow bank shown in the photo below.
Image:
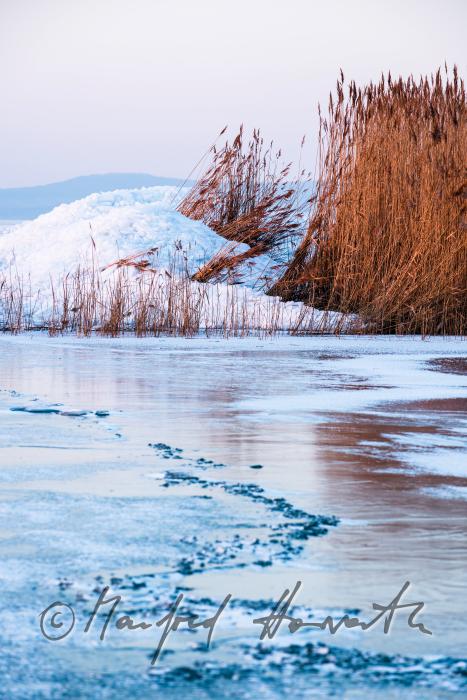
(102, 228)
(120, 223)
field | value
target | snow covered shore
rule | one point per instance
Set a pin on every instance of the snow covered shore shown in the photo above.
(110, 225)
(62, 265)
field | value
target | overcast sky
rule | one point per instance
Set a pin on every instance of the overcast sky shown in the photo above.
(93, 86)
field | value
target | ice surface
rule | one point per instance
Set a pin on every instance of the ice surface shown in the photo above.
(378, 378)
(172, 505)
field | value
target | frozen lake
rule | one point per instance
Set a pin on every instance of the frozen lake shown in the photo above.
(159, 497)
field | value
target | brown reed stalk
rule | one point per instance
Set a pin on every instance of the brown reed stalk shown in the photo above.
(387, 238)
(246, 196)
(127, 297)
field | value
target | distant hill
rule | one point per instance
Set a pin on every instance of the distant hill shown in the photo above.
(29, 202)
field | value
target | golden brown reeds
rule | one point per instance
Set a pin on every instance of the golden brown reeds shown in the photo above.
(388, 235)
(246, 197)
(130, 296)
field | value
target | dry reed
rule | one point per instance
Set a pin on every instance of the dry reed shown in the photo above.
(132, 296)
(387, 237)
(246, 197)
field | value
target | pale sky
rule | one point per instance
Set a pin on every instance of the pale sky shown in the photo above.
(93, 86)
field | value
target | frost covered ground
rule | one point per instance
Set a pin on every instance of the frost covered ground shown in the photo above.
(362, 486)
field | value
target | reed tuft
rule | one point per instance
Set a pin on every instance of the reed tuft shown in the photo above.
(387, 238)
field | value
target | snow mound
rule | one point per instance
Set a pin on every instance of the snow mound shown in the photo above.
(139, 225)
(119, 223)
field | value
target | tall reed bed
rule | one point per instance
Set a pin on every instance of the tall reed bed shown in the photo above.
(387, 238)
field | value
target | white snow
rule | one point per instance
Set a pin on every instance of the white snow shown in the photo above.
(120, 223)
(7, 225)
(102, 228)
